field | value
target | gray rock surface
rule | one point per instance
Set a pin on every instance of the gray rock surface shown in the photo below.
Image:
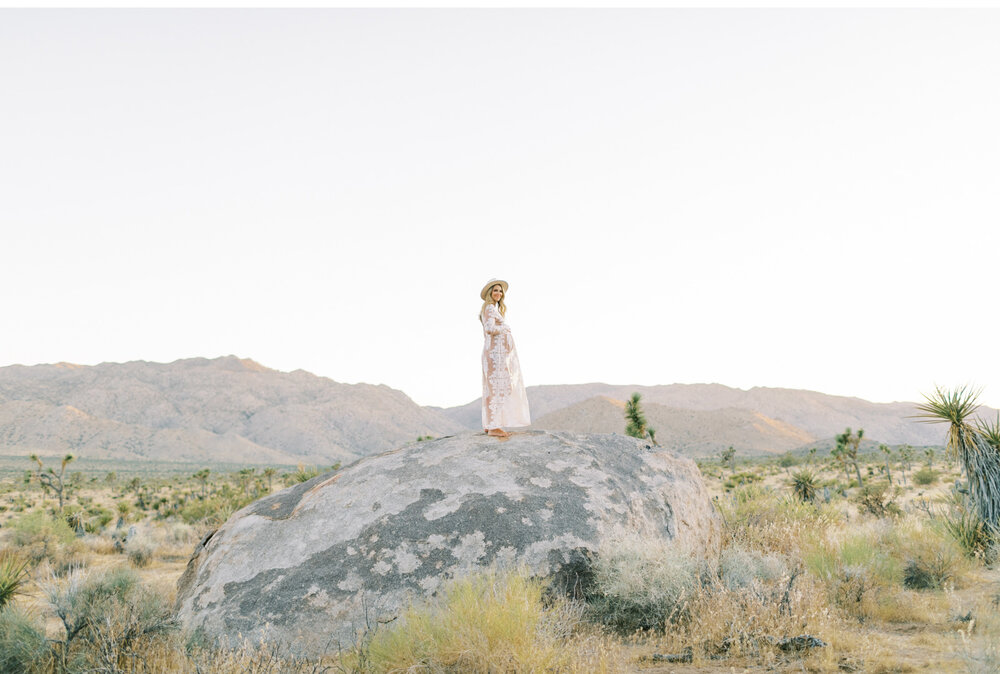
(311, 565)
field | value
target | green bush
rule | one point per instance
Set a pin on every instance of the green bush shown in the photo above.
(99, 518)
(213, 510)
(41, 537)
(876, 499)
(924, 476)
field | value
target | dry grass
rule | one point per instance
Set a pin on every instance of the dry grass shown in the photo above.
(486, 623)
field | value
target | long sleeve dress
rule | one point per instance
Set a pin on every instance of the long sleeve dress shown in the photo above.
(505, 403)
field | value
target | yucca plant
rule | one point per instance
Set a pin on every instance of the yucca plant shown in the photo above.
(13, 576)
(973, 446)
(968, 530)
(990, 430)
(804, 485)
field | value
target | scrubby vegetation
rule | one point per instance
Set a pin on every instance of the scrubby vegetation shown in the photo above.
(828, 562)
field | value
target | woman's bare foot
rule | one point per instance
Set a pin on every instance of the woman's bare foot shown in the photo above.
(498, 433)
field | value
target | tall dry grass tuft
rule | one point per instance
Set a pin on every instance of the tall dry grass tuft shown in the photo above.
(642, 583)
(488, 622)
(759, 519)
(748, 623)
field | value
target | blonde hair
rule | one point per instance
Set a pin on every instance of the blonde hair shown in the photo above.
(489, 301)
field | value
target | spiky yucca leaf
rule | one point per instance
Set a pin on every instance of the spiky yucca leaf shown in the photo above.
(953, 407)
(13, 576)
(990, 430)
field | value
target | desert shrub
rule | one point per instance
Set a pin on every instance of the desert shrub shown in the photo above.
(742, 568)
(213, 510)
(642, 583)
(40, 537)
(924, 476)
(740, 479)
(107, 617)
(13, 576)
(487, 622)
(933, 559)
(140, 551)
(23, 646)
(927, 573)
(864, 571)
(180, 533)
(99, 518)
(877, 500)
(858, 569)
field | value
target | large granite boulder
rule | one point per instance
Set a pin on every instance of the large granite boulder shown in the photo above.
(310, 566)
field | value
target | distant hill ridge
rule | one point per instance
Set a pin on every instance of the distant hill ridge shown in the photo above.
(232, 409)
(221, 409)
(818, 415)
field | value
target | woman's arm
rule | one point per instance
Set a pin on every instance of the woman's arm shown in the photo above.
(493, 321)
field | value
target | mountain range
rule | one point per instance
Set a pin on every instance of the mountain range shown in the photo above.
(236, 410)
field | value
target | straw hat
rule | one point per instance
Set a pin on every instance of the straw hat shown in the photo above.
(493, 282)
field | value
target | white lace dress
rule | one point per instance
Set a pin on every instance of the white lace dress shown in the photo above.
(505, 403)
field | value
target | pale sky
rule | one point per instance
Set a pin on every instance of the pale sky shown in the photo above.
(788, 198)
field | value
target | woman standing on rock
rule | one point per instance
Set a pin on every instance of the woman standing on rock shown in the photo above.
(504, 401)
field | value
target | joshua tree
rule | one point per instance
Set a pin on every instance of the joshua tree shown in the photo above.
(812, 455)
(929, 453)
(202, 477)
(975, 447)
(848, 443)
(245, 477)
(884, 448)
(729, 456)
(49, 479)
(905, 456)
(636, 425)
(269, 474)
(839, 455)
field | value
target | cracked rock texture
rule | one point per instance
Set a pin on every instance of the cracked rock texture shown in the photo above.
(310, 566)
